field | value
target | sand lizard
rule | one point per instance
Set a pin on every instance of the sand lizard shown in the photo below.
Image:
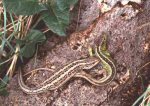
(75, 69)
(60, 77)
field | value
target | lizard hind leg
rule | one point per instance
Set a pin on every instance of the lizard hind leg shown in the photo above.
(91, 51)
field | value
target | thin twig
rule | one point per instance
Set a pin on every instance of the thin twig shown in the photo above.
(142, 67)
(143, 25)
(78, 15)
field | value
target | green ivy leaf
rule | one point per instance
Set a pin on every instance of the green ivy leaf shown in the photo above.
(3, 85)
(24, 7)
(0, 34)
(30, 41)
(4, 92)
(4, 82)
(57, 16)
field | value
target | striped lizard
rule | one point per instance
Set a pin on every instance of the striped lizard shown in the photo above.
(75, 69)
(107, 63)
(60, 77)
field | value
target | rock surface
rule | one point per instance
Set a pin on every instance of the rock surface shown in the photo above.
(128, 31)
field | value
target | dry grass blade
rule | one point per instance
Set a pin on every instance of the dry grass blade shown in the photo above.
(146, 99)
(13, 64)
(8, 32)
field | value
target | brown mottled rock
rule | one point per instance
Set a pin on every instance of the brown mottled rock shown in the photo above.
(128, 34)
